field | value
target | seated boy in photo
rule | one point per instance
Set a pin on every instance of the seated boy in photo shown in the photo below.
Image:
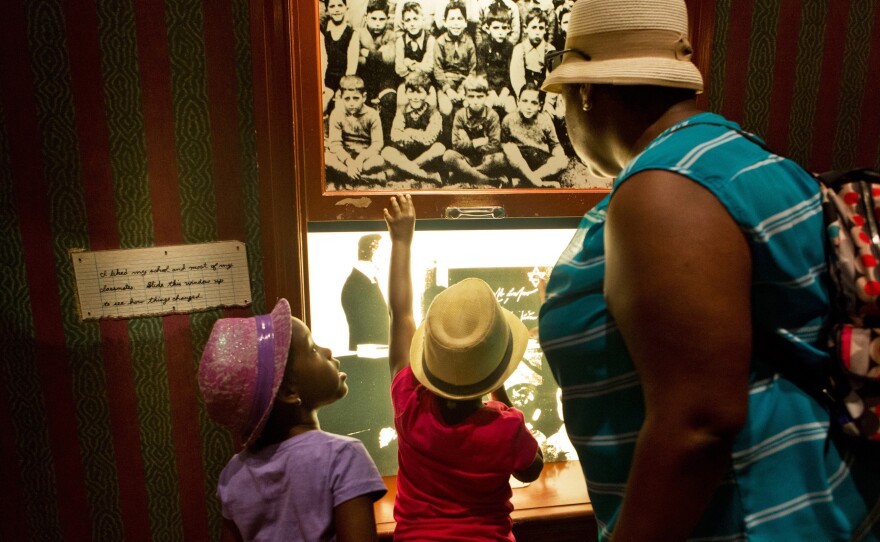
(476, 154)
(354, 139)
(414, 135)
(455, 57)
(530, 143)
(493, 60)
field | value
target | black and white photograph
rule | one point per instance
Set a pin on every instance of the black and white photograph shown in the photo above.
(444, 94)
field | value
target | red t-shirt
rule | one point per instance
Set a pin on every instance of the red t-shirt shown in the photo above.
(453, 481)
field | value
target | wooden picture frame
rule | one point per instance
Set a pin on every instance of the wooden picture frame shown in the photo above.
(325, 203)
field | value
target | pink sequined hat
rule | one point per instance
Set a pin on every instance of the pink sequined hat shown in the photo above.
(242, 367)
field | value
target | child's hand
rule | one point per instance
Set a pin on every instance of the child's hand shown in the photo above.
(401, 218)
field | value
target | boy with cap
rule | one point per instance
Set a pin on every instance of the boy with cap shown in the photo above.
(455, 453)
(264, 378)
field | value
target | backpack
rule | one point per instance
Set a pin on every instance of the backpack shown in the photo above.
(851, 215)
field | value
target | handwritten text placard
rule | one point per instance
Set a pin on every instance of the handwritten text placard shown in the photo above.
(161, 280)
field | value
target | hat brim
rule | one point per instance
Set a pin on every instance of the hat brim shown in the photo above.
(281, 333)
(519, 335)
(663, 72)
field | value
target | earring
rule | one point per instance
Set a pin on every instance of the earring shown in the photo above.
(297, 401)
(587, 105)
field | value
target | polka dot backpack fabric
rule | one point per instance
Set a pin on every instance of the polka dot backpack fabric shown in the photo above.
(851, 207)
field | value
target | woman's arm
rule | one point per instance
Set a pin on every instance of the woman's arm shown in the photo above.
(401, 219)
(678, 282)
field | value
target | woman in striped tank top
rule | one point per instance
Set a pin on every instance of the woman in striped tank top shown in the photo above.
(656, 315)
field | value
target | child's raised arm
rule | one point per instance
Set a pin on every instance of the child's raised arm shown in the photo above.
(401, 219)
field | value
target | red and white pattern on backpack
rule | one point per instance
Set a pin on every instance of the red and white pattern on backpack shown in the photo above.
(855, 254)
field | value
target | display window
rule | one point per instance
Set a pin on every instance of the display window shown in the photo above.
(348, 285)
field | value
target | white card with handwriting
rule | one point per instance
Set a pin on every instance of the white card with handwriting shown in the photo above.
(161, 280)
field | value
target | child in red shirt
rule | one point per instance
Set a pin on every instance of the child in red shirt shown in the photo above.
(455, 453)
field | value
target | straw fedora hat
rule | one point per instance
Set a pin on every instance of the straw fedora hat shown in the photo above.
(627, 42)
(468, 345)
(242, 367)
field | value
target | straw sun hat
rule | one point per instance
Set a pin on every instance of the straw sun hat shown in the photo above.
(242, 367)
(468, 345)
(627, 42)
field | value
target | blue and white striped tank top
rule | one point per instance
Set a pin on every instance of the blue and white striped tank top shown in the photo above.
(785, 482)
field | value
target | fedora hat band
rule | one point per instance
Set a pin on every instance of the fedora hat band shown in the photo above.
(624, 44)
(476, 387)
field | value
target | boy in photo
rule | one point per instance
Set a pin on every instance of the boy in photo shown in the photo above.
(476, 154)
(414, 50)
(527, 63)
(553, 103)
(414, 148)
(473, 17)
(354, 139)
(546, 7)
(455, 57)
(376, 62)
(563, 14)
(341, 45)
(530, 144)
(504, 6)
(493, 60)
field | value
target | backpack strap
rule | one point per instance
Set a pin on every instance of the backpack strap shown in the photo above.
(834, 179)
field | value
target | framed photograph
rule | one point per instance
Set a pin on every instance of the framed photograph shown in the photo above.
(436, 96)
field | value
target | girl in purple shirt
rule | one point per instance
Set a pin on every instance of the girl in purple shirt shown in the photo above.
(265, 378)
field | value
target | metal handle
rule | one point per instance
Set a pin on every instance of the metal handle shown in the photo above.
(474, 212)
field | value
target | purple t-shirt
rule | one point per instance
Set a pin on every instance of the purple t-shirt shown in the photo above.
(287, 491)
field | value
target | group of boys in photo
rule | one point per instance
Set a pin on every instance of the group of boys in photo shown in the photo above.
(442, 94)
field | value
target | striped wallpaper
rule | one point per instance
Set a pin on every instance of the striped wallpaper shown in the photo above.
(124, 124)
(805, 74)
(135, 123)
